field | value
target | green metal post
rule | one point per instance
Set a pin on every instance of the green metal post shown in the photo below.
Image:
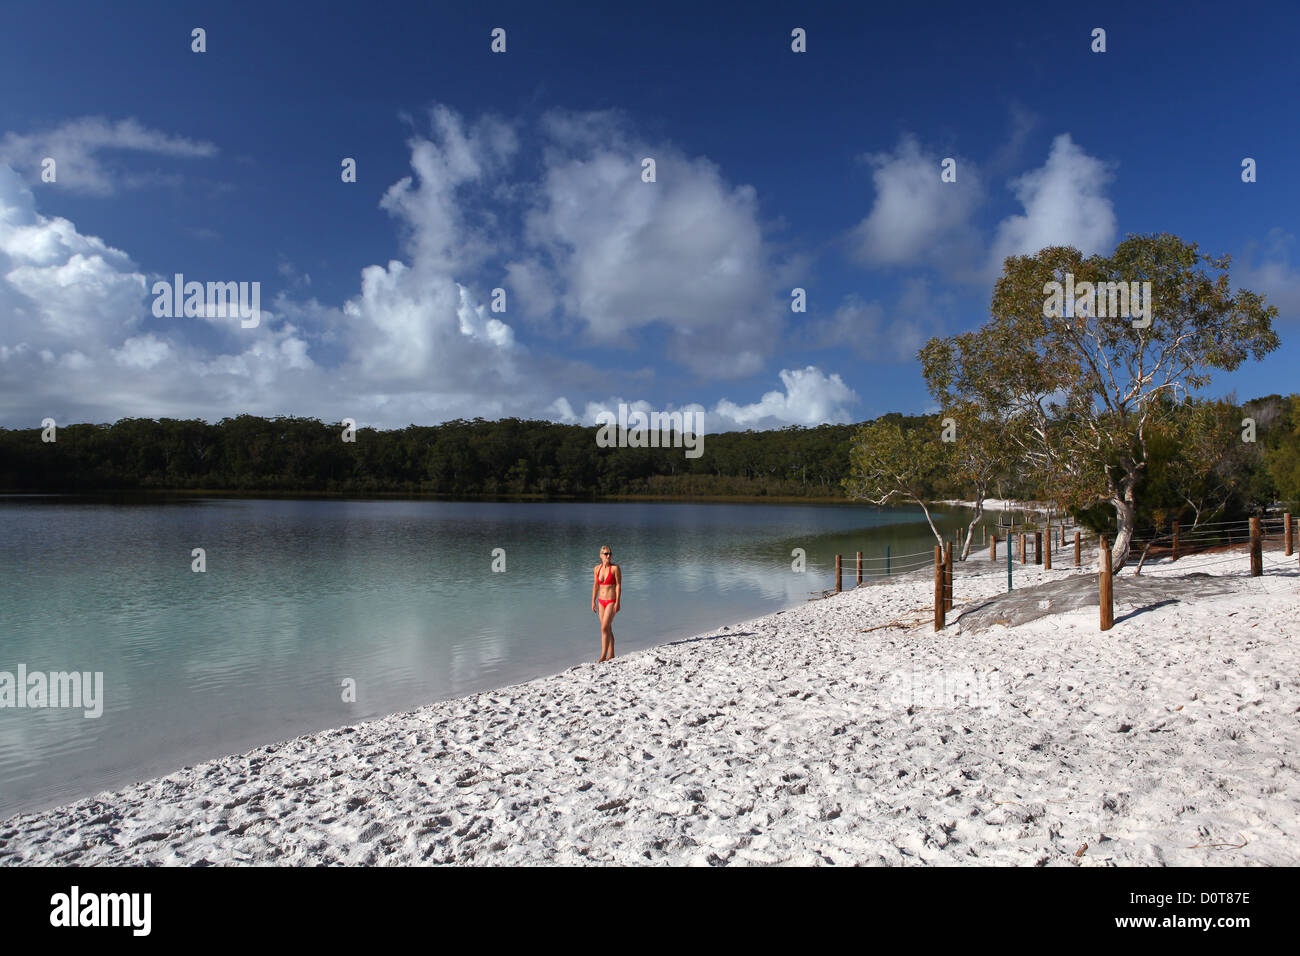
(1008, 562)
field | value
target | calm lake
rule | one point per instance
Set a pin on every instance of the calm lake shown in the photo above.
(399, 596)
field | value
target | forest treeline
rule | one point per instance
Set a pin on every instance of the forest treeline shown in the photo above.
(466, 458)
(520, 457)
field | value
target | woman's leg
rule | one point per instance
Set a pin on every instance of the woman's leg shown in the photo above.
(607, 630)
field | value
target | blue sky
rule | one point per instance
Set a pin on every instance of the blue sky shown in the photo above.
(521, 171)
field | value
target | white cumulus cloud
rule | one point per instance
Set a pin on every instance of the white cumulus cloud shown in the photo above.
(1266, 268)
(686, 251)
(1065, 205)
(683, 262)
(808, 397)
(916, 218)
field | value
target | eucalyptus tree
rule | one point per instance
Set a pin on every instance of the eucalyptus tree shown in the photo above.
(1084, 356)
(889, 463)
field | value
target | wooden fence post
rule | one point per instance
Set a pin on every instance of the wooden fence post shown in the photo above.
(938, 588)
(1107, 593)
(1256, 549)
(1176, 540)
(1076, 548)
(1022, 547)
(1287, 539)
(947, 577)
(1063, 533)
(993, 548)
(1038, 547)
(1047, 556)
(859, 569)
(984, 535)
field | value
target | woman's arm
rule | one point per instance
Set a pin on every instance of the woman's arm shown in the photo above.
(595, 576)
(618, 588)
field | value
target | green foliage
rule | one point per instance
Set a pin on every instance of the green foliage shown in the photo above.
(506, 457)
(888, 462)
(1087, 398)
(1281, 451)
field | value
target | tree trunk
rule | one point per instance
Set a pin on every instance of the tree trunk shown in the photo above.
(937, 536)
(1143, 559)
(1126, 517)
(970, 530)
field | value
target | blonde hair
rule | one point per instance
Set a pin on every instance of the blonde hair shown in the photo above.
(604, 548)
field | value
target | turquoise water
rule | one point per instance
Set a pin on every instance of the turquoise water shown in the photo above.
(398, 596)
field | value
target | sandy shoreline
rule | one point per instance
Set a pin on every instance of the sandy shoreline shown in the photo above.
(793, 738)
(1001, 504)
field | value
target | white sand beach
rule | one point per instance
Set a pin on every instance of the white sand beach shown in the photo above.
(1171, 739)
(1000, 504)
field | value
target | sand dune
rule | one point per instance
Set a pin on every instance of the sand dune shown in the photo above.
(794, 738)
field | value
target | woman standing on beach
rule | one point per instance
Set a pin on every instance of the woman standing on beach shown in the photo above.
(608, 590)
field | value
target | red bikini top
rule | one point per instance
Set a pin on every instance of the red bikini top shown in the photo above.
(608, 580)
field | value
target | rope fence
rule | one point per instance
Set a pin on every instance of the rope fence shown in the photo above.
(1279, 534)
